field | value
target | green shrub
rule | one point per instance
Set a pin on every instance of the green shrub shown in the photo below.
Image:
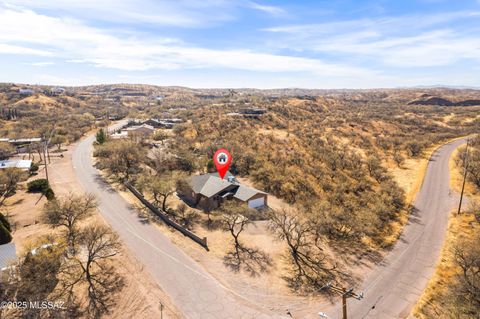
(49, 194)
(33, 168)
(38, 186)
(41, 186)
(5, 236)
(4, 222)
(101, 137)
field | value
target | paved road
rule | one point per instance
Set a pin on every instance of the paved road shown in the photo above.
(194, 291)
(394, 287)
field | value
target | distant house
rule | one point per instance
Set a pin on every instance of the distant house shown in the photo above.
(253, 111)
(22, 144)
(119, 135)
(23, 141)
(144, 130)
(24, 165)
(26, 91)
(153, 122)
(162, 123)
(208, 191)
(57, 91)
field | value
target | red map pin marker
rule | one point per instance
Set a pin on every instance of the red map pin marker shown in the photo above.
(222, 160)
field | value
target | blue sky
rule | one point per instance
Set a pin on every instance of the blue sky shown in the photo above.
(257, 43)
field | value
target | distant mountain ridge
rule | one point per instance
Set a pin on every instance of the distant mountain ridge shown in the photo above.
(444, 102)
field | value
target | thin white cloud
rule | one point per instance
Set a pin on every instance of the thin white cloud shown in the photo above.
(266, 8)
(22, 50)
(179, 13)
(72, 40)
(340, 54)
(408, 41)
(40, 64)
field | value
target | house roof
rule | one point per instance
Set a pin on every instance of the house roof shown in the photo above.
(7, 254)
(211, 184)
(21, 140)
(133, 128)
(244, 193)
(22, 164)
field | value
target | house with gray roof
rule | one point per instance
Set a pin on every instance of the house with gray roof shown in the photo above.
(208, 191)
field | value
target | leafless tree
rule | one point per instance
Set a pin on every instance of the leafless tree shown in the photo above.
(467, 290)
(36, 276)
(235, 218)
(311, 267)
(9, 178)
(99, 245)
(161, 187)
(186, 216)
(6, 150)
(398, 158)
(121, 158)
(67, 212)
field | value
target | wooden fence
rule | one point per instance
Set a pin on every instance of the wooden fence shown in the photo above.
(201, 241)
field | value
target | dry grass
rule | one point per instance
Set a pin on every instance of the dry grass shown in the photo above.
(459, 227)
(280, 134)
(40, 101)
(456, 178)
(448, 117)
(409, 176)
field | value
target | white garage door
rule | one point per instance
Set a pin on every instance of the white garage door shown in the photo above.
(255, 203)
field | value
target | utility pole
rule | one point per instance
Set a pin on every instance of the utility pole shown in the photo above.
(45, 159)
(47, 142)
(465, 166)
(108, 121)
(346, 293)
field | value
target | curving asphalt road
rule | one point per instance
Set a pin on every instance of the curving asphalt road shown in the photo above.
(393, 288)
(196, 294)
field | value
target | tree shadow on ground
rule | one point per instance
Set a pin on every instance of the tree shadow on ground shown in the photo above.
(100, 180)
(355, 252)
(414, 215)
(251, 260)
(312, 283)
(212, 224)
(144, 215)
(17, 202)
